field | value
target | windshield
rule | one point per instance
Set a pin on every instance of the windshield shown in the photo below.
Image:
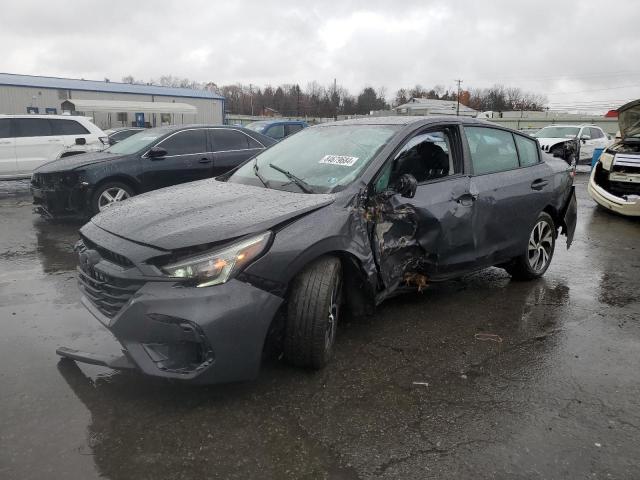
(135, 143)
(256, 126)
(316, 160)
(557, 132)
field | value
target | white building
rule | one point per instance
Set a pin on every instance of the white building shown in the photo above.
(111, 104)
(428, 106)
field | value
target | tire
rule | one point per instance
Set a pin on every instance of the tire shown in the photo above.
(110, 188)
(535, 260)
(313, 312)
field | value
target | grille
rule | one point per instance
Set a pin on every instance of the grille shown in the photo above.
(53, 180)
(626, 163)
(113, 257)
(108, 293)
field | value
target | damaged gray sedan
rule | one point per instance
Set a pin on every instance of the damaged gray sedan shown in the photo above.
(196, 280)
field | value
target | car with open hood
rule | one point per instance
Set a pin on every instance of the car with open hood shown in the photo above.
(573, 143)
(615, 179)
(83, 185)
(196, 281)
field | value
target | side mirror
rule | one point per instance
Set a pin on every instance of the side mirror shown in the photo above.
(81, 141)
(157, 152)
(406, 185)
(584, 138)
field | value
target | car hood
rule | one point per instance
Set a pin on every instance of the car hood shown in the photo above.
(76, 161)
(204, 212)
(549, 142)
(629, 118)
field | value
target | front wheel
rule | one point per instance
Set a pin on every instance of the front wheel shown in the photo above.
(108, 194)
(535, 261)
(313, 312)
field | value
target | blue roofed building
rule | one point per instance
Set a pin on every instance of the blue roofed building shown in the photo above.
(110, 104)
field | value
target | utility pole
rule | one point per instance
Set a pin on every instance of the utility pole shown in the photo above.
(251, 98)
(458, 98)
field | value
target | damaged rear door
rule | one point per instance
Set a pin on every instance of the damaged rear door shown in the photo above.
(420, 210)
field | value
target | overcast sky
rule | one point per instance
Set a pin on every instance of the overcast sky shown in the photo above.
(582, 52)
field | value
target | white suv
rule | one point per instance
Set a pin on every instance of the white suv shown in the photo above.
(28, 141)
(552, 137)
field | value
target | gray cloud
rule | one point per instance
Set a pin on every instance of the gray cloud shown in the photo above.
(550, 47)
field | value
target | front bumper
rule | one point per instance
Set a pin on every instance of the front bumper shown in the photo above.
(167, 329)
(612, 202)
(60, 202)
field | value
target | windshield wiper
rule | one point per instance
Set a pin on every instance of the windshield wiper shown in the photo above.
(257, 173)
(304, 186)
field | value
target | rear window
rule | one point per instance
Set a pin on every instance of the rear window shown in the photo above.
(293, 128)
(67, 127)
(528, 151)
(226, 139)
(32, 127)
(492, 150)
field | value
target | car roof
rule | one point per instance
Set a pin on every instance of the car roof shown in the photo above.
(571, 126)
(272, 122)
(35, 115)
(408, 120)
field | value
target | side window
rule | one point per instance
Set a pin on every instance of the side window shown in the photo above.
(5, 128)
(185, 143)
(492, 150)
(227, 139)
(585, 131)
(254, 143)
(275, 131)
(426, 156)
(528, 151)
(293, 128)
(596, 133)
(32, 127)
(67, 127)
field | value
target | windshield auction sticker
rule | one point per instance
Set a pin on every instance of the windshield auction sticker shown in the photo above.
(343, 160)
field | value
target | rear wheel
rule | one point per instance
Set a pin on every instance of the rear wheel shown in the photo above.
(313, 312)
(108, 194)
(535, 261)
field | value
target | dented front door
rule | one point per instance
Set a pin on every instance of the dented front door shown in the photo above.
(428, 236)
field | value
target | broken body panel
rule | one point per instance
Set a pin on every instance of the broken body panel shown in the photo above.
(387, 243)
(615, 179)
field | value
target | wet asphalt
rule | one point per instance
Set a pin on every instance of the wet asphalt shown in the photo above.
(476, 378)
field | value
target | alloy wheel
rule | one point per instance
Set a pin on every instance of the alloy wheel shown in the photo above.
(540, 246)
(110, 196)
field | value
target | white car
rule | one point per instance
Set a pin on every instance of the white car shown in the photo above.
(28, 141)
(553, 138)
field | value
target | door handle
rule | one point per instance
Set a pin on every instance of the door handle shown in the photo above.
(54, 140)
(5, 143)
(467, 199)
(204, 160)
(539, 184)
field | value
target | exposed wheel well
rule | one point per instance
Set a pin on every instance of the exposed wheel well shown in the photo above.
(555, 215)
(358, 296)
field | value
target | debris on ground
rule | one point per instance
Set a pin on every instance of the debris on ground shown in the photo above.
(491, 337)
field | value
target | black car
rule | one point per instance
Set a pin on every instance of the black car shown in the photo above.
(195, 281)
(84, 185)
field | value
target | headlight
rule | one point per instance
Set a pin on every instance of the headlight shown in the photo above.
(606, 159)
(219, 266)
